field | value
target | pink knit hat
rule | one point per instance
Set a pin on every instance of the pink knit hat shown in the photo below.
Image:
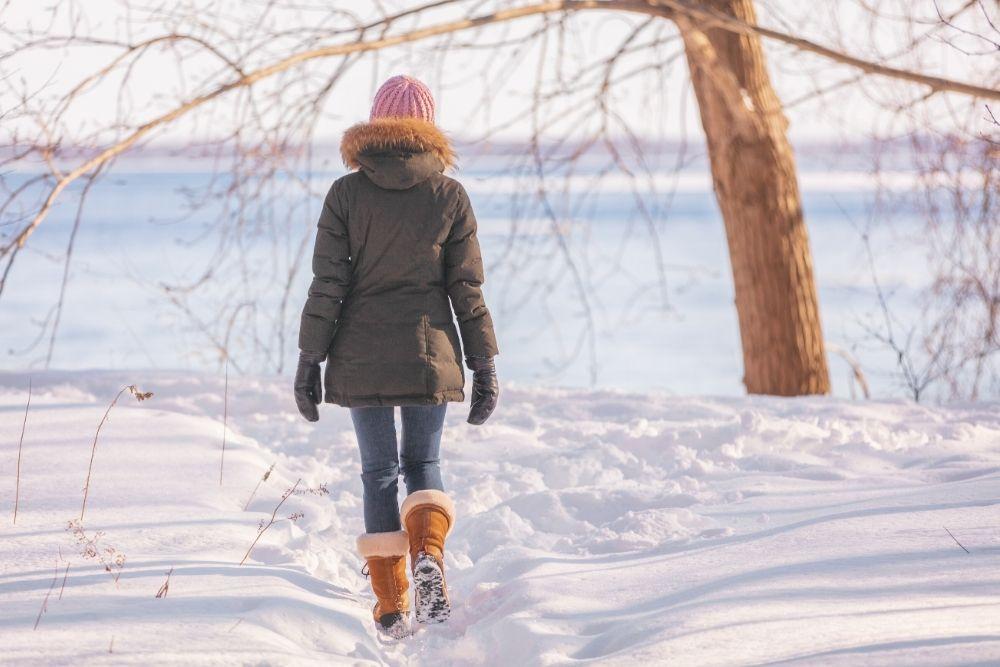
(403, 97)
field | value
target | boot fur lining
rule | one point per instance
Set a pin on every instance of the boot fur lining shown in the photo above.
(383, 544)
(395, 133)
(428, 497)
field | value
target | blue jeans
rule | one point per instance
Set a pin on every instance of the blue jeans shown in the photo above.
(380, 462)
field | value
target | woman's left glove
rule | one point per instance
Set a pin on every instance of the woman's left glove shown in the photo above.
(309, 384)
(485, 388)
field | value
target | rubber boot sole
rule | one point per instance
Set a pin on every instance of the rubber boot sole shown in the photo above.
(394, 627)
(431, 604)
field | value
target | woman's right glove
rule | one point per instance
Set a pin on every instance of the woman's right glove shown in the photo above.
(485, 388)
(309, 384)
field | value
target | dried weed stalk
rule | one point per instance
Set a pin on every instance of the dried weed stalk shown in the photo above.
(165, 588)
(262, 527)
(956, 540)
(140, 396)
(320, 490)
(112, 560)
(20, 443)
(45, 601)
(260, 481)
(65, 575)
(225, 420)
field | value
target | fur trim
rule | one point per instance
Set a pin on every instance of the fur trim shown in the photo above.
(428, 497)
(383, 544)
(400, 133)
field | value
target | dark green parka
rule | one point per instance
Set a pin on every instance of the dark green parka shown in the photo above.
(396, 251)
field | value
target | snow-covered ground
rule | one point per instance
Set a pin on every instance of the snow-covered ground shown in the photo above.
(595, 526)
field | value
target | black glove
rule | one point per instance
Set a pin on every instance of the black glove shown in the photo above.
(485, 388)
(309, 384)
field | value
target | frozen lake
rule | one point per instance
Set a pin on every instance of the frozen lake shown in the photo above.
(673, 329)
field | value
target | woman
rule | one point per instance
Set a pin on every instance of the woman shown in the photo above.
(396, 251)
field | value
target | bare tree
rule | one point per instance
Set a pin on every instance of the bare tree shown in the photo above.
(261, 82)
(951, 348)
(943, 338)
(757, 188)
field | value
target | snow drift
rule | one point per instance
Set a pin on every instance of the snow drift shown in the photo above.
(594, 526)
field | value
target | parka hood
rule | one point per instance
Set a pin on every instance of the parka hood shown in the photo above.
(397, 153)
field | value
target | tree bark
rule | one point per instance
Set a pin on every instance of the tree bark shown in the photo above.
(753, 172)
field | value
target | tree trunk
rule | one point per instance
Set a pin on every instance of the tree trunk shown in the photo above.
(753, 171)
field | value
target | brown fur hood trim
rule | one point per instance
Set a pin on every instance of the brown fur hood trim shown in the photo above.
(395, 133)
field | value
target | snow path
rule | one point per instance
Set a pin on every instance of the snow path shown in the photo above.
(600, 526)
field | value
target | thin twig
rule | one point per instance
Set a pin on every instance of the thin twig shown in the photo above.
(69, 257)
(225, 420)
(859, 374)
(270, 523)
(165, 588)
(259, 482)
(956, 541)
(112, 560)
(706, 17)
(93, 451)
(139, 396)
(45, 602)
(20, 442)
(63, 587)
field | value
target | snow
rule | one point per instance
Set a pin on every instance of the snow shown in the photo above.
(595, 526)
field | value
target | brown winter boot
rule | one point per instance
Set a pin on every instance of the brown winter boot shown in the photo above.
(428, 517)
(385, 554)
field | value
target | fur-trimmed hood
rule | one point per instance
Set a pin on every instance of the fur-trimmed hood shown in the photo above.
(383, 135)
(397, 153)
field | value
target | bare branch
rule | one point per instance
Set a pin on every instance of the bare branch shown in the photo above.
(665, 8)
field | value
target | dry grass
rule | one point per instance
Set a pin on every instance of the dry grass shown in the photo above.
(225, 420)
(140, 396)
(112, 560)
(260, 481)
(956, 540)
(20, 443)
(262, 528)
(165, 588)
(65, 575)
(320, 490)
(45, 601)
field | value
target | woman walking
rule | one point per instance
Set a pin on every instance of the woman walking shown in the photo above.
(396, 251)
